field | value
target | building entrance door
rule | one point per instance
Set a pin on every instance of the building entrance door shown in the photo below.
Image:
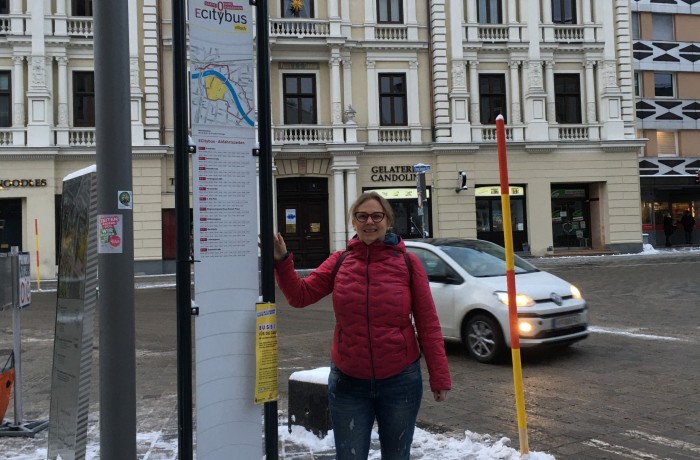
(10, 224)
(302, 219)
(571, 222)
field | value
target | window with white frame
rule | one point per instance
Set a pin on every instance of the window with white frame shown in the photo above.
(564, 11)
(297, 8)
(492, 97)
(83, 99)
(390, 11)
(666, 143)
(638, 84)
(489, 11)
(5, 99)
(392, 99)
(662, 27)
(567, 98)
(299, 92)
(664, 84)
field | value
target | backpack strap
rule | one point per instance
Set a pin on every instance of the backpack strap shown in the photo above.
(338, 263)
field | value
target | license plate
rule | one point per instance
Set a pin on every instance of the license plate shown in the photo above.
(566, 321)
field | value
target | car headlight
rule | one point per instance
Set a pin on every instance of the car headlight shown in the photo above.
(521, 300)
(575, 293)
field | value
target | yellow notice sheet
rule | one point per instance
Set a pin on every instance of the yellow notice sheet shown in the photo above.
(265, 353)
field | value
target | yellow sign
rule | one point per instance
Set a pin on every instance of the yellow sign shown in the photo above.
(265, 353)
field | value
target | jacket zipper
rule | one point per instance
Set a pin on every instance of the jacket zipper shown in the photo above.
(369, 328)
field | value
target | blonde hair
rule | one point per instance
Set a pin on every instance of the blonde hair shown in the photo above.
(383, 202)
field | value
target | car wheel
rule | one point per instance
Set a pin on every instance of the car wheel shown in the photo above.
(484, 340)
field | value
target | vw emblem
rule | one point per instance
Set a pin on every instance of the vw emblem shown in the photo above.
(556, 298)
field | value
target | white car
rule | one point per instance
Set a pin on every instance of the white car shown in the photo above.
(468, 282)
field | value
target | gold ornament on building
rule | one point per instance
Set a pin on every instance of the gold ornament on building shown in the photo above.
(296, 6)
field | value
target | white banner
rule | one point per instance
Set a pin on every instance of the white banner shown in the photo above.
(225, 228)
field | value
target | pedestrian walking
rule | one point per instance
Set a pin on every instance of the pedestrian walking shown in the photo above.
(669, 228)
(688, 223)
(385, 320)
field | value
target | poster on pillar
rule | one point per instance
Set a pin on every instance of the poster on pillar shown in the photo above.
(222, 95)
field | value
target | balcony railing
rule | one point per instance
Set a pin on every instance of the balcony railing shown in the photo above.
(81, 137)
(302, 134)
(5, 25)
(80, 27)
(493, 33)
(299, 27)
(390, 32)
(5, 137)
(488, 134)
(573, 133)
(394, 135)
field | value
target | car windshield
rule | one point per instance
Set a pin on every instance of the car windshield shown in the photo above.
(482, 258)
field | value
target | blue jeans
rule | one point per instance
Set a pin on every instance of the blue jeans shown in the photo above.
(355, 403)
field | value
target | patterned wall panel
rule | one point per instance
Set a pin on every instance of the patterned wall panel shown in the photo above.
(667, 6)
(666, 56)
(675, 167)
(668, 114)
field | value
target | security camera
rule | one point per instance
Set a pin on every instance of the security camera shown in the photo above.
(461, 181)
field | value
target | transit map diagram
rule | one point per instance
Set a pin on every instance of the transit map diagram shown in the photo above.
(222, 89)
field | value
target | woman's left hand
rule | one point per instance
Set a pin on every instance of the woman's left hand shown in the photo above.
(440, 395)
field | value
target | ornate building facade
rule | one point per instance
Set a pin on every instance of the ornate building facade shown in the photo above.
(362, 92)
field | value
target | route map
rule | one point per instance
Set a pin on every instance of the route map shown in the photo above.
(222, 89)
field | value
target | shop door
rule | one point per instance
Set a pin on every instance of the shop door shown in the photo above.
(302, 217)
(571, 223)
(489, 221)
(10, 224)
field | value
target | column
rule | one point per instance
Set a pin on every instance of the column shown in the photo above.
(515, 118)
(590, 93)
(351, 193)
(459, 96)
(136, 103)
(18, 120)
(370, 20)
(60, 19)
(62, 126)
(16, 22)
(472, 22)
(513, 30)
(546, 20)
(339, 232)
(549, 87)
(349, 111)
(588, 31)
(411, 20)
(346, 22)
(372, 107)
(336, 104)
(474, 92)
(413, 102)
(38, 95)
(333, 18)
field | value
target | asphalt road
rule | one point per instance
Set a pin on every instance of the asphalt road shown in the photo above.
(628, 391)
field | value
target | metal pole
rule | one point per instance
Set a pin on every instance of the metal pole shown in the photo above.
(116, 280)
(510, 283)
(182, 217)
(266, 198)
(16, 334)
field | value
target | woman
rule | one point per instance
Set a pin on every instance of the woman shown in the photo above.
(375, 370)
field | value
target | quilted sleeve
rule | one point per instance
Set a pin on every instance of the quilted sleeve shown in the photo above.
(301, 292)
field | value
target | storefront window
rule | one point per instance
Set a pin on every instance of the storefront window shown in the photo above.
(407, 216)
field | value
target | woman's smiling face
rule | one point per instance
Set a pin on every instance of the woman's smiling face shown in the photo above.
(370, 231)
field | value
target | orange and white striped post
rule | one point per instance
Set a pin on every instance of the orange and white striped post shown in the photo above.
(510, 281)
(36, 243)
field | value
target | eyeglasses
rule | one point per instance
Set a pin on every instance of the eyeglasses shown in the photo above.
(375, 216)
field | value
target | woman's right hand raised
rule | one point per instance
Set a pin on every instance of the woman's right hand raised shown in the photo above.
(280, 246)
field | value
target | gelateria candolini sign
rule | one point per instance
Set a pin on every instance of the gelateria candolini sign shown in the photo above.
(393, 174)
(20, 183)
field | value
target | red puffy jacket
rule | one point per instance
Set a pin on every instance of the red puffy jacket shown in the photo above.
(373, 298)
